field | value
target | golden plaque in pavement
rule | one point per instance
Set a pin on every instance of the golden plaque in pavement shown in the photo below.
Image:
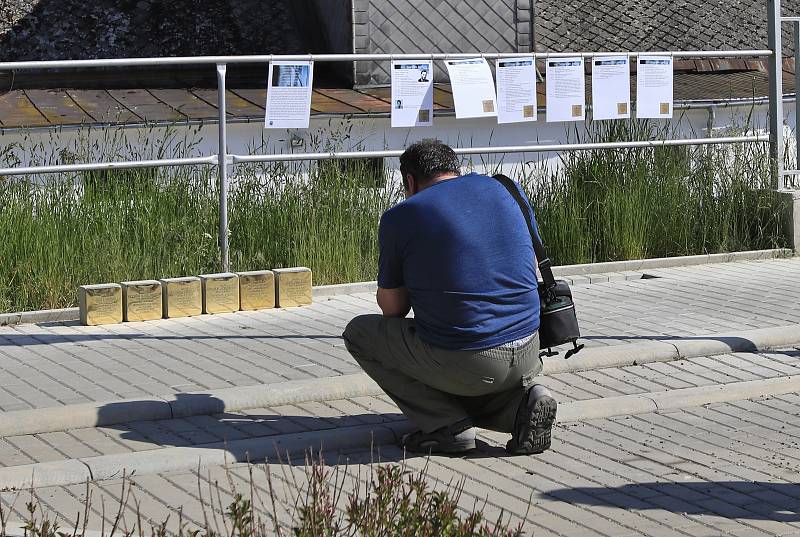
(292, 287)
(181, 297)
(256, 290)
(220, 292)
(141, 300)
(100, 304)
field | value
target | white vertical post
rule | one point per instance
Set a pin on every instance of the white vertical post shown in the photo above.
(222, 168)
(776, 142)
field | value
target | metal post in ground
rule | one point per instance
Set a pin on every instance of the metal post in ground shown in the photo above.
(222, 168)
(794, 183)
(775, 92)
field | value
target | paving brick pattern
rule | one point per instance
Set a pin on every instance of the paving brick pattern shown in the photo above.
(54, 364)
(319, 416)
(725, 469)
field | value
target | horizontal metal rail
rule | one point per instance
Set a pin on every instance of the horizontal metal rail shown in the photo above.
(98, 166)
(207, 60)
(239, 159)
(293, 157)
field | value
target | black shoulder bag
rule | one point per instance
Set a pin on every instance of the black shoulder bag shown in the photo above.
(558, 322)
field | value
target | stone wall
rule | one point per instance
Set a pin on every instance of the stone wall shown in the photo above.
(77, 29)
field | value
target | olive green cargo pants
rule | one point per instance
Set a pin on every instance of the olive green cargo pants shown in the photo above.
(438, 387)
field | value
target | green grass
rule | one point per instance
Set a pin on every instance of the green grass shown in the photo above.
(656, 202)
(64, 231)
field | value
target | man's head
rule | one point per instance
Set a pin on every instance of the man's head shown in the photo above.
(424, 162)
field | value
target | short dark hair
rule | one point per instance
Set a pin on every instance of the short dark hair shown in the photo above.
(427, 159)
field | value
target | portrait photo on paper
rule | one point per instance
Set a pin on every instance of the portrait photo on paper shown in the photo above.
(290, 76)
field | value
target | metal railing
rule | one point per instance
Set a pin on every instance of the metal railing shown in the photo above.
(775, 19)
(223, 159)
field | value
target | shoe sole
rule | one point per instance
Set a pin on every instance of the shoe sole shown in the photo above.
(458, 446)
(536, 437)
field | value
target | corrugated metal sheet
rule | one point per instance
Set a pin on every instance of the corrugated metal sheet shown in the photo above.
(394, 26)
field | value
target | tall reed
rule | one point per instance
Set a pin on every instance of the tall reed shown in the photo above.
(66, 230)
(654, 202)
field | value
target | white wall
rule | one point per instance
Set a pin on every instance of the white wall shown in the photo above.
(359, 134)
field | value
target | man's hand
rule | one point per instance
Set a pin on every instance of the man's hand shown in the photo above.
(394, 302)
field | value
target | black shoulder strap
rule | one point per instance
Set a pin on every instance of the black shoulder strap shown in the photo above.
(538, 247)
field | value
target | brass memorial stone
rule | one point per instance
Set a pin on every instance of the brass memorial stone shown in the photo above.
(142, 300)
(220, 292)
(100, 304)
(182, 297)
(256, 290)
(292, 287)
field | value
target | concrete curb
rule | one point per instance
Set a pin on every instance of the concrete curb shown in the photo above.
(669, 262)
(44, 420)
(746, 341)
(322, 291)
(172, 459)
(344, 289)
(40, 316)
(614, 356)
(625, 405)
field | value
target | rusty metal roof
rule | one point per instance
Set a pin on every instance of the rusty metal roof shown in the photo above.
(30, 108)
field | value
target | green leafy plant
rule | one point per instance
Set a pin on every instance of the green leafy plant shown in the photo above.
(391, 501)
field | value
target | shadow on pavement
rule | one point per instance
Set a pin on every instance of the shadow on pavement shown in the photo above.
(211, 424)
(752, 500)
(146, 410)
(14, 339)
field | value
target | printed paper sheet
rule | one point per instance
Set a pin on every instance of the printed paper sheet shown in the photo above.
(289, 87)
(654, 87)
(611, 88)
(516, 90)
(566, 90)
(473, 88)
(412, 93)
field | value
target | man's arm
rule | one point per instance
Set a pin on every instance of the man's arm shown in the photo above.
(393, 302)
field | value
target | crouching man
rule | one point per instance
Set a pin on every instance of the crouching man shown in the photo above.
(459, 252)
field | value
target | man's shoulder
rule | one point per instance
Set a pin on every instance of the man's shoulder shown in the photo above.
(396, 217)
(395, 211)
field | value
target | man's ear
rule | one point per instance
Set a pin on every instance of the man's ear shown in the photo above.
(412, 184)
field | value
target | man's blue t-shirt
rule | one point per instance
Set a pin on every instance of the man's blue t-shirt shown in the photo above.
(462, 249)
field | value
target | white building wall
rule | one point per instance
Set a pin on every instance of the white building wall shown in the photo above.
(360, 134)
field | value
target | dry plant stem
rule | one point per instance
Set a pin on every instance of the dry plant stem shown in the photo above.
(87, 502)
(271, 489)
(219, 504)
(125, 494)
(396, 501)
(139, 523)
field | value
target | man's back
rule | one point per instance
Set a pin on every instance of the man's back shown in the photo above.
(463, 251)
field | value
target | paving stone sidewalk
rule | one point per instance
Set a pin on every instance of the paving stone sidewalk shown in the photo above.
(54, 364)
(722, 470)
(339, 414)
